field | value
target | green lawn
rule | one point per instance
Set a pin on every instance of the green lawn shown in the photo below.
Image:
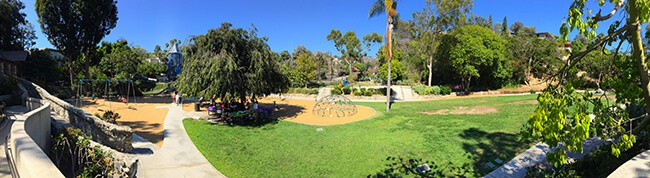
(359, 149)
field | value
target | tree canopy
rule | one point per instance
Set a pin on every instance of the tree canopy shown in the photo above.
(75, 27)
(16, 33)
(352, 49)
(562, 115)
(230, 63)
(474, 51)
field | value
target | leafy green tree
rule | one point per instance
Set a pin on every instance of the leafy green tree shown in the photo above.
(473, 51)
(16, 33)
(151, 69)
(390, 8)
(439, 16)
(352, 49)
(397, 69)
(532, 55)
(562, 115)
(305, 70)
(75, 27)
(299, 50)
(230, 63)
(120, 60)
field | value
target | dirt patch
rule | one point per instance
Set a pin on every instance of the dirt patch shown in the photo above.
(143, 117)
(464, 110)
(525, 102)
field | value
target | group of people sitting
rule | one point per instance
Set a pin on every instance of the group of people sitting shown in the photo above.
(235, 111)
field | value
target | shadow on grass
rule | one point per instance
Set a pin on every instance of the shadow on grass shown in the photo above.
(408, 167)
(286, 111)
(486, 148)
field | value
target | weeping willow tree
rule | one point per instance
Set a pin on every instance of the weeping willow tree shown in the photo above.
(230, 64)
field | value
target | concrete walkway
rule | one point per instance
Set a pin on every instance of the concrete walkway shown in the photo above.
(638, 166)
(178, 157)
(537, 155)
(5, 129)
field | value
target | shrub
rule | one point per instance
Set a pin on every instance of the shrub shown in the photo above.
(357, 93)
(110, 116)
(445, 90)
(7, 85)
(355, 90)
(346, 90)
(427, 90)
(363, 90)
(367, 93)
(73, 155)
(435, 90)
(335, 91)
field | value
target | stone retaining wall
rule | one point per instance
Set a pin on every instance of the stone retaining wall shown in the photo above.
(114, 136)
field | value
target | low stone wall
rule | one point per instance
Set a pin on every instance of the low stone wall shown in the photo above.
(30, 135)
(117, 137)
(125, 164)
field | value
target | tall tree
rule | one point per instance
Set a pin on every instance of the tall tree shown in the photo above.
(504, 27)
(474, 51)
(439, 16)
(16, 33)
(532, 55)
(231, 64)
(75, 27)
(562, 116)
(352, 49)
(390, 8)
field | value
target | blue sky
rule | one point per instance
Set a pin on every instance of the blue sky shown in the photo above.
(289, 23)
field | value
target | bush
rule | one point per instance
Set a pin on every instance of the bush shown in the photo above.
(367, 93)
(7, 85)
(357, 93)
(445, 90)
(346, 90)
(335, 91)
(355, 90)
(73, 155)
(110, 116)
(363, 90)
(426, 90)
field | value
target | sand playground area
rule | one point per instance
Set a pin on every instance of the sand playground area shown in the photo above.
(147, 116)
(300, 111)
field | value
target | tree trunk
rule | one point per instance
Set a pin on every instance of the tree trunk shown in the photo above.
(87, 64)
(467, 83)
(638, 53)
(430, 66)
(70, 74)
(389, 44)
(528, 71)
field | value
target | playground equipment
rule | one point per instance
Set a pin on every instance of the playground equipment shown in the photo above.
(174, 63)
(334, 106)
(94, 83)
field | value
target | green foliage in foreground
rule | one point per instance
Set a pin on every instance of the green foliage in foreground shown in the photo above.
(372, 146)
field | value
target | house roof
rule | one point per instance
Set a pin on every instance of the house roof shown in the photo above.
(14, 56)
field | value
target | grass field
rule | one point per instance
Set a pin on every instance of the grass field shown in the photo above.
(360, 149)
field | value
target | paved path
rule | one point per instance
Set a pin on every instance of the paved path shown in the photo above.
(178, 157)
(638, 166)
(537, 155)
(5, 129)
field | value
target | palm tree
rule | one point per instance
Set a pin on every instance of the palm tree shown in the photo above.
(379, 7)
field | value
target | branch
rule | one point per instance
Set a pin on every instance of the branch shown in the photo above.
(573, 60)
(599, 17)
